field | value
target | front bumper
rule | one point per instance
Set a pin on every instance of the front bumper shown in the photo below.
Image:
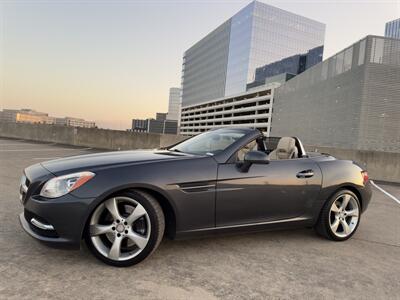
(64, 219)
(51, 241)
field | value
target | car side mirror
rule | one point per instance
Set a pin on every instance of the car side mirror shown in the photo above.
(253, 157)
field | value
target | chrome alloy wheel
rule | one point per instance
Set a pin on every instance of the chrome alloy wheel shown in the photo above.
(120, 228)
(344, 215)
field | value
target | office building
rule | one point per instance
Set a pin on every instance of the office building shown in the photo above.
(159, 125)
(281, 79)
(25, 116)
(35, 117)
(350, 101)
(292, 65)
(224, 61)
(392, 29)
(174, 104)
(75, 122)
(9, 115)
(139, 125)
(170, 127)
(161, 116)
(248, 109)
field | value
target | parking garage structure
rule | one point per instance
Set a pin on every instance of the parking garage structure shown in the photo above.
(249, 109)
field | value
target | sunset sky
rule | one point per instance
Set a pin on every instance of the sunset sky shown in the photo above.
(111, 61)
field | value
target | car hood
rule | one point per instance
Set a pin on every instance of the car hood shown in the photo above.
(107, 159)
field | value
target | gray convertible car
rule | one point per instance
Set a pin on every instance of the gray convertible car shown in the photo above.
(123, 203)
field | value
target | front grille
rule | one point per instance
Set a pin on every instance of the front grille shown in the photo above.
(47, 233)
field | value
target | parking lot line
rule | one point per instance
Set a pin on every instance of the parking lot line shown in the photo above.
(20, 144)
(386, 193)
(43, 149)
(31, 150)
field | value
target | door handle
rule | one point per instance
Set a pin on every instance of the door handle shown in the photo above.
(305, 174)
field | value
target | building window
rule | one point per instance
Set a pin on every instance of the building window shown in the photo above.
(348, 59)
(361, 53)
(339, 63)
(377, 51)
(324, 70)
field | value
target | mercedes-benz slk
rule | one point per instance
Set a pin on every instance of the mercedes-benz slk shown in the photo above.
(231, 179)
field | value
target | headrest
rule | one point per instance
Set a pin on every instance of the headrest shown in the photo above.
(251, 146)
(286, 147)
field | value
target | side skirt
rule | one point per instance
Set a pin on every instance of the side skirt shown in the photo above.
(298, 222)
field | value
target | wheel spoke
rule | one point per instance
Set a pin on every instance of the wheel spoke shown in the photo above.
(335, 208)
(111, 205)
(346, 199)
(114, 223)
(352, 213)
(97, 229)
(115, 250)
(335, 225)
(139, 240)
(138, 212)
(346, 227)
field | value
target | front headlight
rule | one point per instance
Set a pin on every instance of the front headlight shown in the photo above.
(62, 185)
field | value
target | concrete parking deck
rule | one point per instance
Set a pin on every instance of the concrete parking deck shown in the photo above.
(284, 264)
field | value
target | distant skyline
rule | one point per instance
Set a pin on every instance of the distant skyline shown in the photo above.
(111, 61)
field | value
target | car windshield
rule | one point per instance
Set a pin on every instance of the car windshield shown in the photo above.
(210, 142)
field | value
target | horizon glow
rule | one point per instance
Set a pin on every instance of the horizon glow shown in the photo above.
(111, 61)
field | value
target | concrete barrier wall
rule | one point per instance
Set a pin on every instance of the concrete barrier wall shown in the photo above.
(383, 166)
(88, 137)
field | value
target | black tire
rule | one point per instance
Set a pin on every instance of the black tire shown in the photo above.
(323, 228)
(157, 222)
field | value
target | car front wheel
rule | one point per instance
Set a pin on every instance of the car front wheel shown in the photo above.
(125, 229)
(340, 217)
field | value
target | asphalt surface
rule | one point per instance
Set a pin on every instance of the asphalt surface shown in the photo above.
(268, 265)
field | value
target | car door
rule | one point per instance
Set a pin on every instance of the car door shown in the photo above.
(282, 189)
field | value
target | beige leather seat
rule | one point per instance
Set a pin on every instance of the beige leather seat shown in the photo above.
(286, 149)
(252, 146)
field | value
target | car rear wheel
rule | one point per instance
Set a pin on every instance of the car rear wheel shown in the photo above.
(340, 217)
(125, 229)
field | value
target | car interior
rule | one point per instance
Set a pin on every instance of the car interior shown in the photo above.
(276, 148)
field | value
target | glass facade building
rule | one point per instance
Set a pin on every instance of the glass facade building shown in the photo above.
(174, 104)
(204, 67)
(159, 125)
(292, 65)
(392, 29)
(223, 62)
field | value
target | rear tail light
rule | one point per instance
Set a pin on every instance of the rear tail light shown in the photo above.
(365, 176)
